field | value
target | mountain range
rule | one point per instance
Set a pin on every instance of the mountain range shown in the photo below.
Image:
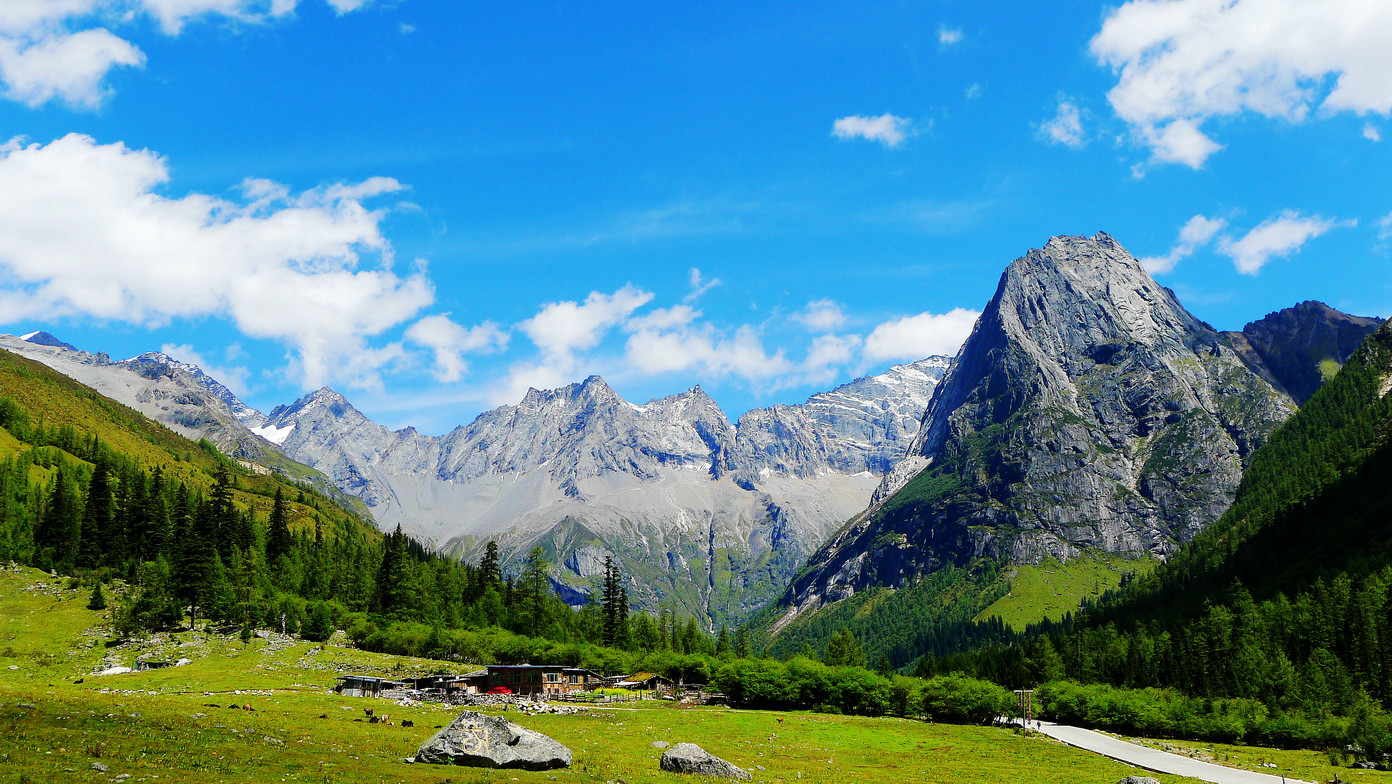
(1088, 411)
(710, 516)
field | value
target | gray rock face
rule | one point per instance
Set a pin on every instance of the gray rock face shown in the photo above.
(690, 758)
(1088, 409)
(710, 516)
(480, 741)
(1139, 780)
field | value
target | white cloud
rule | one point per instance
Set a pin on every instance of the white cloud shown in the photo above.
(822, 315)
(1194, 234)
(451, 342)
(1275, 237)
(886, 129)
(1371, 133)
(58, 50)
(235, 378)
(973, 90)
(924, 335)
(1385, 227)
(1066, 127)
(703, 347)
(64, 67)
(947, 36)
(1182, 62)
(699, 285)
(84, 231)
(562, 328)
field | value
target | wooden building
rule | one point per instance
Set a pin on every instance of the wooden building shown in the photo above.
(366, 685)
(542, 680)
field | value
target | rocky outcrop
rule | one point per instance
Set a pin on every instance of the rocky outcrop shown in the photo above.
(1088, 410)
(480, 741)
(690, 758)
(1298, 348)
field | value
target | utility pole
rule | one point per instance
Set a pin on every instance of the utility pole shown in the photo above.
(1026, 706)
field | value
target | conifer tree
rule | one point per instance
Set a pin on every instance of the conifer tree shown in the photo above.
(98, 601)
(278, 539)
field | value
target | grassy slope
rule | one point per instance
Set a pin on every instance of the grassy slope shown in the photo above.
(1054, 588)
(54, 400)
(174, 723)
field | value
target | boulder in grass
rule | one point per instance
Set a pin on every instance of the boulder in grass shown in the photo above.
(690, 758)
(480, 741)
(1139, 780)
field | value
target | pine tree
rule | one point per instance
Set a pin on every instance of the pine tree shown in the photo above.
(722, 642)
(278, 538)
(98, 601)
(844, 650)
(535, 586)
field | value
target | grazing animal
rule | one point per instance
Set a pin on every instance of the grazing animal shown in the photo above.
(234, 707)
(247, 707)
(368, 711)
(323, 715)
(408, 723)
(780, 721)
(373, 720)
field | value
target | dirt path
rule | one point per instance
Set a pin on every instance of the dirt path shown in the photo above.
(1154, 759)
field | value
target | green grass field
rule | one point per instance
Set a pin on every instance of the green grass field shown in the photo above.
(1053, 588)
(174, 725)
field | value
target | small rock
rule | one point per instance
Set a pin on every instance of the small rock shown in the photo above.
(690, 758)
(661, 744)
(279, 742)
(123, 777)
(1139, 780)
(409, 760)
(100, 767)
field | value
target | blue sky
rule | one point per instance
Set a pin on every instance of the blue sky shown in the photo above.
(431, 206)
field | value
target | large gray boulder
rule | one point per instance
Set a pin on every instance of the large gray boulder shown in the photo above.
(690, 758)
(480, 741)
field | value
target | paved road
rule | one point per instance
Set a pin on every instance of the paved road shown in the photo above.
(1154, 759)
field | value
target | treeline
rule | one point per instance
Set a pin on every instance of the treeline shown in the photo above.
(232, 550)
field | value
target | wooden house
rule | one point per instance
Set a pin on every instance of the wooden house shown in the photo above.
(542, 680)
(366, 685)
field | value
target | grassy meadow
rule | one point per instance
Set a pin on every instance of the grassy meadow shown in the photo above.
(174, 725)
(1053, 588)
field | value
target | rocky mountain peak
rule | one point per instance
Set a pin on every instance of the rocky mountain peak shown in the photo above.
(1088, 409)
(1298, 348)
(41, 338)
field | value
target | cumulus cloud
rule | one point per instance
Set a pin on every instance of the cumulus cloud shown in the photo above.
(1371, 133)
(1275, 237)
(822, 315)
(703, 347)
(59, 50)
(84, 231)
(886, 129)
(947, 36)
(562, 328)
(915, 337)
(451, 341)
(1066, 127)
(1194, 234)
(1183, 62)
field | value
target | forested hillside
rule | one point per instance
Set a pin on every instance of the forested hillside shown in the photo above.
(1285, 602)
